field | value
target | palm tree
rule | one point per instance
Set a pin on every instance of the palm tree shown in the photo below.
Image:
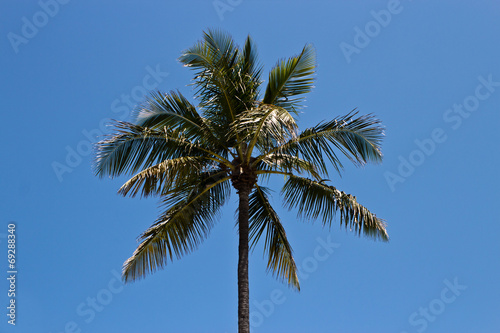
(189, 156)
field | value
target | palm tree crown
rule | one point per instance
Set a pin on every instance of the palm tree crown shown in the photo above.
(190, 157)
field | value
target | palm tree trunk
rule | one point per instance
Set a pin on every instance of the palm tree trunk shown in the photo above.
(243, 291)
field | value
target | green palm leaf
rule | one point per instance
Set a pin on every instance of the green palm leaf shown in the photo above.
(218, 81)
(160, 178)
(250, 69)
(169, 110)
(315, 199)
(287, 165)
(129, 148)
(174, 111)
(290, 79)
(134, 147)
(264, 126)
(358, 138)
(181, 229)
(263, 218)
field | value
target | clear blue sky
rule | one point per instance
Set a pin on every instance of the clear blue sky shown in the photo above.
(429, 70)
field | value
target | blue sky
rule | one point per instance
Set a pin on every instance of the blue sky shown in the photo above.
(428, 70)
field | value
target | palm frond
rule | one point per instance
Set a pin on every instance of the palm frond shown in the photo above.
(217, 50)
(169, 110)
(250, 67)
(181, 229)
(315, 199)
(164, 176)
(174, 111)
(263, 218)
(287, 164)
(290, 79)
(214, 60)
(358, 138)
(132, 147)
(264, 126)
